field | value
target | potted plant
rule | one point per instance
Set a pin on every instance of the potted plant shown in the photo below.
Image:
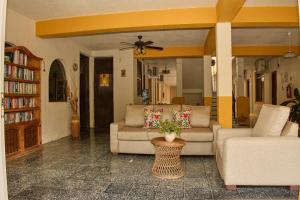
(170, 130)
(294, 104)
(73, 97)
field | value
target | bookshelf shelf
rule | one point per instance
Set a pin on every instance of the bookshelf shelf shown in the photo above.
(22, 101)
(20, 95)
(21, 109)
(21, 66)
(21, 80)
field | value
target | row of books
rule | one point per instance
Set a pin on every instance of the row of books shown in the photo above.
(19, 88)
(11, 118)
(18, 73)
(21, 102)
(17, 57)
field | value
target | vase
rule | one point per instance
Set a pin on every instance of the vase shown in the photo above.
(170, 137)
(75, 127)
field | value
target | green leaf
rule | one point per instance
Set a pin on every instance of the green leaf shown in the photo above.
(285, 103)
(296, 93)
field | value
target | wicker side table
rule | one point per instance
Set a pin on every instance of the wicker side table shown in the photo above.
(167, 163)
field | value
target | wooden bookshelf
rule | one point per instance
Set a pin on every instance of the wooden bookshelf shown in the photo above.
(22, 113)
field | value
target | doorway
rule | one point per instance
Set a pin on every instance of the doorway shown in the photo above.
(84, 94)
(103, 92)
(274, 87)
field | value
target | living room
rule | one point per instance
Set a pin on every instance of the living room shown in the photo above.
(193, 52)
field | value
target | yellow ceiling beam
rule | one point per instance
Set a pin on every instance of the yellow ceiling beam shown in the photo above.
(210, 43)
(128, 22)
(199, 51)
(263, 50)
(228, 9)
(174, 52)
(266, 17)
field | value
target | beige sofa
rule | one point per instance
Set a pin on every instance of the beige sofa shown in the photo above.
(268, 154)
(129, 136)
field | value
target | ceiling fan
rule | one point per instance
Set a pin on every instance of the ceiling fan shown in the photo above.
(140, 46)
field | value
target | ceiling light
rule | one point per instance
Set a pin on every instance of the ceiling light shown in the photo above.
(290, 53)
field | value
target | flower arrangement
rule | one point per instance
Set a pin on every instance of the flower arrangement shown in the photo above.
(170, 127)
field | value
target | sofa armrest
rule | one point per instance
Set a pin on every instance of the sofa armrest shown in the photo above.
(214, 126)
(114, 142)
(225, 133)
(261, 161)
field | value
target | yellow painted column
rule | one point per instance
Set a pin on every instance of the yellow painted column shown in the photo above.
(207, 80)
(224, 74)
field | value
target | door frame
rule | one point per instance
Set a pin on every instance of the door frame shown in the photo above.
(3, 179)
(88, 84)
(113, 57)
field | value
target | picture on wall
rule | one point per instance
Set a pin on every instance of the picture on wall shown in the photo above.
(104, 80)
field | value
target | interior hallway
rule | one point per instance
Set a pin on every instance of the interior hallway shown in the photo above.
(86, 170)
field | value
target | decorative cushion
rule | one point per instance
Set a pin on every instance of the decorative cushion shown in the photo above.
(290, 129)
(182, 118)
(271, 120)
(134, 115)
(152, 118)
(200, 115)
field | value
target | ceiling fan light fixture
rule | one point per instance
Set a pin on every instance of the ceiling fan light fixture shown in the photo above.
(289, 53)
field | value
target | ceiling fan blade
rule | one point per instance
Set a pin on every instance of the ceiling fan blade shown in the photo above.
(126, 43)
(148, 43)
(154, 47)
(124, 48)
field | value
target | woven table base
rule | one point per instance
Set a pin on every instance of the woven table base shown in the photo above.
(167, 163)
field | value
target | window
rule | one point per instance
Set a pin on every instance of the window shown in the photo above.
(57, 82)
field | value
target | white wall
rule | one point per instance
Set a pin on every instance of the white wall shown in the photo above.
(21, 31)
(291, 67)
(123, 86)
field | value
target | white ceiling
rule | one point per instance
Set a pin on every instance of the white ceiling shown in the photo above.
(49, 9)
(160, 38)
(265, 36)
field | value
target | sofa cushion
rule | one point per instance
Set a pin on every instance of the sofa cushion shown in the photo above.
(189, 135)
(167, 111)
(271, 120)
(197, 135)
(134, 115)
(152, 118)
(290, 129)
(182, 118)
(200, 115)
(132, 133)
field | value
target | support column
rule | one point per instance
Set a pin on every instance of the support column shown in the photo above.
(207, 80)
(179, 77)
(240, 77)
(224, 74)
(3, 180)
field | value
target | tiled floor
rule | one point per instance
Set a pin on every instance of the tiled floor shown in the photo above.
(86, 170)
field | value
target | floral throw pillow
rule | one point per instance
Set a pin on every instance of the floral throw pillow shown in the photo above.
(152, 118)
(183, 118)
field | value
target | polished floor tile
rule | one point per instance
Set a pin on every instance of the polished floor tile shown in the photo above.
(86, 170)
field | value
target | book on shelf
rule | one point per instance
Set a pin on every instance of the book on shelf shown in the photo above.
(20, 58)
(21, 102)
(18, 73)
(17, 117)
(19, 88)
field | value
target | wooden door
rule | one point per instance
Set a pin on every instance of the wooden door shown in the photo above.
(103, 93)
(274, 88)
(84, 94)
